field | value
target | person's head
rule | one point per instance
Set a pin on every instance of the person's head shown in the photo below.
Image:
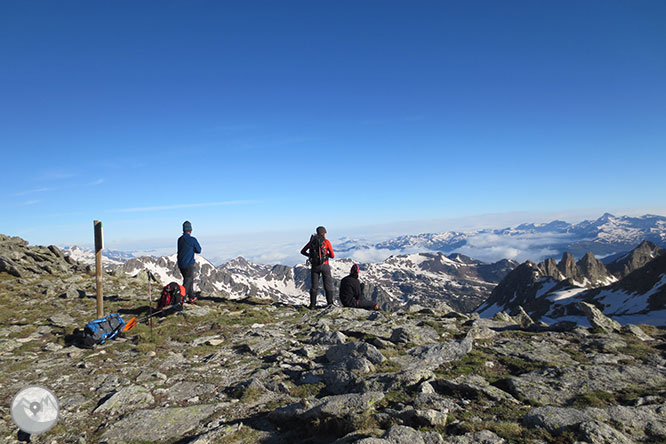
(321, 231)
(355, 269)
(187, 227)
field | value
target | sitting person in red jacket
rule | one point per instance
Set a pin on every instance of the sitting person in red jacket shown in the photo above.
(351, 291)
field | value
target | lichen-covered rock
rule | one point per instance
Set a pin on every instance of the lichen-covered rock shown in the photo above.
(414, 335)
(345, 352)
(637, 331)
(343, 409)
(184, 390)
(475, 384)
(556, 386)
(481, 437)
(598, 319)
(157, 425)
(432, 356)
(637, 422)
(126, 399)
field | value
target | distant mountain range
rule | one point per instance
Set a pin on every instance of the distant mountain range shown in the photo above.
(430, 278)
(420, 279)
(630, 288)
(604, 236)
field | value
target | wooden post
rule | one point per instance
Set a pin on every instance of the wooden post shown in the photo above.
(99, 246)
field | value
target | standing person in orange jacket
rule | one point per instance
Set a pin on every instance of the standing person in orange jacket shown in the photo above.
(318, 251)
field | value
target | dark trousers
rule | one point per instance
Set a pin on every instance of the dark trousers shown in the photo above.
(188, 281)
(325, 271)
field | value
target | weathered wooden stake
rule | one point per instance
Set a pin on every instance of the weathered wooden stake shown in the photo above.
(99, 246)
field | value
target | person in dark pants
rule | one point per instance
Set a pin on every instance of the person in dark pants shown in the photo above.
(187, 246)
(351, 291)
(318, 251)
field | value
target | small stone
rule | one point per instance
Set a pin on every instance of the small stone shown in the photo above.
(61, 320)
(431, 418)
(44, 330)
(637, 331)
(52, 347)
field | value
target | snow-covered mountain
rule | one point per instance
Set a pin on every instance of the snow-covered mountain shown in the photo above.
(111, 259)
(631, 288)
(604, 236)
(427, 279)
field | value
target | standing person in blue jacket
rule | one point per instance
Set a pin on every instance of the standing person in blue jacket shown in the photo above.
(187, 246)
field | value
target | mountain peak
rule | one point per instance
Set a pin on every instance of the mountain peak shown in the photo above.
(635, 259)
(606, 217)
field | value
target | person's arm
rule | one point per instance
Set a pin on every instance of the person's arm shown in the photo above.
(197, 247)
(304, 250)
(330, 249)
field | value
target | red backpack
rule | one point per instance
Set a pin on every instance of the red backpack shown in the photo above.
(172, 294)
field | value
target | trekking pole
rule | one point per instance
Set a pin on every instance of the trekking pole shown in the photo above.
(150, 306)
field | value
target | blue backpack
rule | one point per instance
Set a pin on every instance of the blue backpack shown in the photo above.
(100, 330)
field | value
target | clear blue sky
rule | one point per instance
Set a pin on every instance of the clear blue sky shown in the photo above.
(269, 116)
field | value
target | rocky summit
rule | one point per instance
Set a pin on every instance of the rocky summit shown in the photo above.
(258, 371)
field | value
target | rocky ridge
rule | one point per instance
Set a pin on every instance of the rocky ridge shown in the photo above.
(420, 279)
(635, 290)
(254, 371)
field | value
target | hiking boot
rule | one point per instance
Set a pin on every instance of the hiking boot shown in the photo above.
(192, 300)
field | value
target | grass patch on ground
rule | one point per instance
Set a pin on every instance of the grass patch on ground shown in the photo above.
(307, 390)
(504, 420)
(388, 366)
(638, 350)
(244, 435)
(628, 395)
(513, 432)
(476, 363)
(596, 398)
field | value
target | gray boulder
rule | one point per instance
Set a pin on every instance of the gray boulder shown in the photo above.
(600, 433)
(157, 425)
(396, 435)
(637, 331)
(598, 319)
(351, 350)
(476, 385)
(637, 422)
(556, 386)
(342, 410)
(481, 437)
(185, 390)
(429, 357)
(126, 399)
(414, 335)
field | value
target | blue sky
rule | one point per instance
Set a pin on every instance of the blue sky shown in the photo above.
(249, 117)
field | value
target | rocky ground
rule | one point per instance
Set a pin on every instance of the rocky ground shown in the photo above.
(256, 372)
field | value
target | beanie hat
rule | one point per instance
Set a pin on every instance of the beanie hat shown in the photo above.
(187, 226)
(354, 270)
(321, 230)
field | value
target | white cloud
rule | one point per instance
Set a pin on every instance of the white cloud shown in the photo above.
(180, 206)
(33, 191)
(29, 203)
(492, 247)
